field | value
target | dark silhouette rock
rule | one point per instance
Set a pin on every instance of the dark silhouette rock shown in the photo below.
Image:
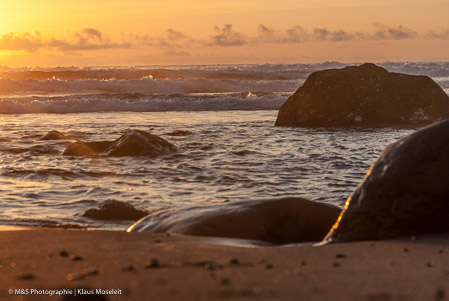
(405, 193)
(54, 135)
(281, 221)
(115, 210)
(132, 143)
(365, 95)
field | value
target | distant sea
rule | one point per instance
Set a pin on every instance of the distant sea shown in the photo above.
(229, 149)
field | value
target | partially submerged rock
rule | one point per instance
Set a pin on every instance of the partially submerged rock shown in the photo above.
(179, 133)
(86, 149)
(115, 210)
(405, 193)
(139, 143)
(132, 143)
(281, 221)
(54, 135)
(365, 95)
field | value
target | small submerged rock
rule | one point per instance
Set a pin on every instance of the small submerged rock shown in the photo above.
(365, 95)
(152, 264)
(179, 133)
(76, 258)
(115, 210)
(54, 135)
(75, 276)
(225, 281)
(405, 193)
(279, 221)
(128, 268)
(440, 294)
(92, 272)
(26, 277)
(86, 149)
(209, 265)
(133, 143)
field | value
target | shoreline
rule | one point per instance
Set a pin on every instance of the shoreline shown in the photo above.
(176, 267)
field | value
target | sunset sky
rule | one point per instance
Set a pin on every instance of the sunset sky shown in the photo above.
(146, 32)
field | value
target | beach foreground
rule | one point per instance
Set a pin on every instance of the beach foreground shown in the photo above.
(133, 266)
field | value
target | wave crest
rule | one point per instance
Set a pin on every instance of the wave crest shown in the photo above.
(140, 103)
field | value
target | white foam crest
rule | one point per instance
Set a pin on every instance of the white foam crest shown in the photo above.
(141, 103)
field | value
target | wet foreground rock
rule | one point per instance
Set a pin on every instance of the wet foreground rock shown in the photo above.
(365, 95)
(405, 193)
(132, 143)
(281, 221)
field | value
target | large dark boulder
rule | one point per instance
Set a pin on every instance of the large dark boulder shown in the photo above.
(365, 95)
(281, 221)
(132, 143)
(405, 193)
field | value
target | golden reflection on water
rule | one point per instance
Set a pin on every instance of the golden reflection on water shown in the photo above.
(24, 183)
(131, 228)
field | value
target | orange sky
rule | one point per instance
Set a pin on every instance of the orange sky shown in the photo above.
(146, 32)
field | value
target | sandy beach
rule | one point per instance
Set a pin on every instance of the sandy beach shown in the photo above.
(138, 266)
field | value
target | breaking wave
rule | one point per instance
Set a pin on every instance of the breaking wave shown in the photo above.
(135, 102)
(171, 88)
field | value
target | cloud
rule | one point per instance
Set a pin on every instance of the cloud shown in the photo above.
(323, 34)
(169, 39)
(175, 35)
(175, 42)
(87, 39)
(226, 36)
(174, 39)
(21, 41)
(297, 34)
(440, 33)
(88, 34)
(267, 34)
(171, 53)
(384, 32)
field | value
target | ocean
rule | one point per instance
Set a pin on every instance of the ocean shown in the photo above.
(220, 118)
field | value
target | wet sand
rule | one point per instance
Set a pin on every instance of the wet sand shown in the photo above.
(144, 266)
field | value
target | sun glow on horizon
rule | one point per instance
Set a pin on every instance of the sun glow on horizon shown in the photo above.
(113, 32)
